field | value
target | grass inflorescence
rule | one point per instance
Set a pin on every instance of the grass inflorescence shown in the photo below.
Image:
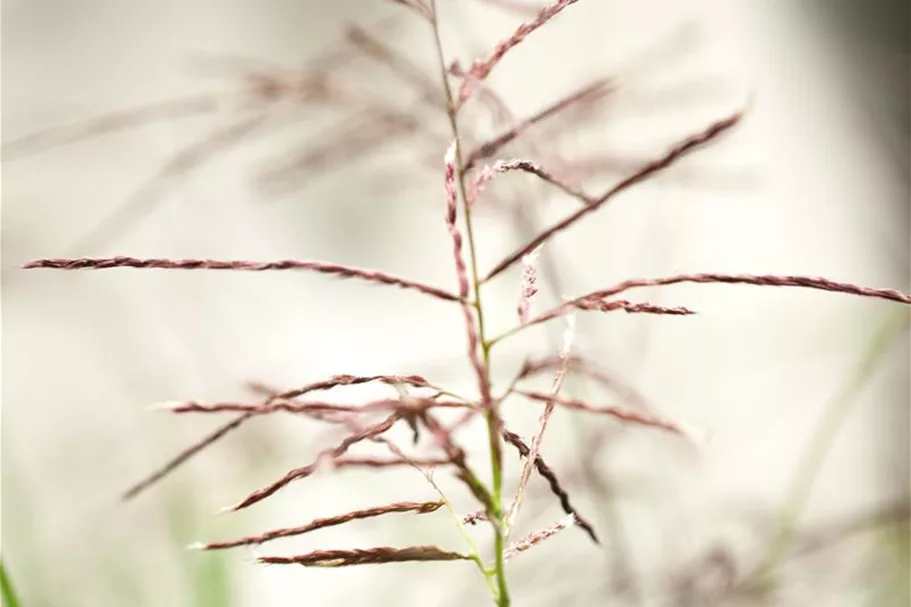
(414, 401)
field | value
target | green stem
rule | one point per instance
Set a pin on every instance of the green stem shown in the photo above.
(816, 450)
(493, 430)
(475, 555)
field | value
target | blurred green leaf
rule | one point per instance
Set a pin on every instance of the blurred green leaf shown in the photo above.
(210, 579)
(10, 599)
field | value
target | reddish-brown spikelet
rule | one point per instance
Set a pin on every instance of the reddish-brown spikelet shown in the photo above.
(482, 67)
(503, 166)
(537, 537)
(449, 183)
(677, 152)
(368, 556)
(591, 303)
(341, 271)
(402, 460)
(483, 177)
(350, 380)
(630, 307)
(529, 285)
(620, 413)
(305, 471)
(321, 523)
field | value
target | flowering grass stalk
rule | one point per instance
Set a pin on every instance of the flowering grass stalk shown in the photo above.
(413, 400)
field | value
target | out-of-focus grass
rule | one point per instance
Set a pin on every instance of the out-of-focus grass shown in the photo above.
(211, 582)
(820, 442)
(895, 541)
(10, 599)
(209, 576)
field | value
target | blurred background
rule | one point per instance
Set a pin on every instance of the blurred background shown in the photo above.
(187, 129)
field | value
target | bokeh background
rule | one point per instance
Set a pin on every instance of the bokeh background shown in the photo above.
(803, 396)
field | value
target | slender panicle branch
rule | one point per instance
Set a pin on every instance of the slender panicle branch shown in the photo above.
(115, 121)
(599, 305)
(149, 196)
(585, 367)
(396, 462)
(762, 280)
(288, 406)
(184, 456)
(322, 523)
(688, 145)
(85, 263)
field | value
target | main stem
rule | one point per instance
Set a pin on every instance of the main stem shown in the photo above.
(493, 430)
